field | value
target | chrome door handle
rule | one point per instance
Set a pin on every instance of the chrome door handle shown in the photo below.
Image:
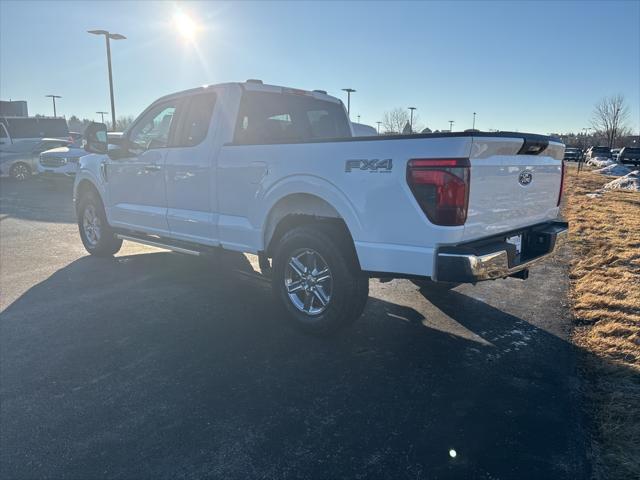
(152, 168)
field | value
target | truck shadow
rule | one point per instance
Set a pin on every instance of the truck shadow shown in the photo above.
(160, 365)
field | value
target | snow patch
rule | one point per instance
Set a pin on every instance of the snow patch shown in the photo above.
(630, 182)
(614, 170)
(600, 162)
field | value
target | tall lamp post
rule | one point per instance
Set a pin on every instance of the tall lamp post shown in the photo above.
(451, 122)
(474, 121)
(379, 123)
(102, 114)
(411, 109)
(109, 36)
(53, 97)
(349, 92)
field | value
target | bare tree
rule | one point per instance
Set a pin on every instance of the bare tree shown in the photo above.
(123, 122)
(394, 121)
(609, 117)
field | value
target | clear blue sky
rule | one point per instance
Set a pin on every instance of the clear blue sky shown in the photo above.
(523, 66)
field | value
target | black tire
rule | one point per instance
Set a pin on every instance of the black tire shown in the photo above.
(20, 171)
(100, 241)
(345, 292)
(431, 286)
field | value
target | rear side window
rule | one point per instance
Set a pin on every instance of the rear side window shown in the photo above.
(196, 121)
(281, 118)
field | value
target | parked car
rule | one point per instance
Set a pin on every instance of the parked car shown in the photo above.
(629, 155)
(274, 171)
(31, 130)
(572, 154)
(598, 152)
(61, 162)
(22, 161)
(362, 130)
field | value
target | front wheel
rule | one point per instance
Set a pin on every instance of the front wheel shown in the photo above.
(317, 278)
(96, 234)
(20, 172)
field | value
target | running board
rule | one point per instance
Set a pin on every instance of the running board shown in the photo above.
(153, 243)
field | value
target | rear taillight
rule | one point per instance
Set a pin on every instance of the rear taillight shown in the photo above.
(561, 184)
(441, 187)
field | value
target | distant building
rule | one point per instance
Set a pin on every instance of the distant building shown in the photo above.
(14, 109)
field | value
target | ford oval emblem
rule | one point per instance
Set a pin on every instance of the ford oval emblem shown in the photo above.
(525, 177)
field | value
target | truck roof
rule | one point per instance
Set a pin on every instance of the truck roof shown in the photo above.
(257, 86)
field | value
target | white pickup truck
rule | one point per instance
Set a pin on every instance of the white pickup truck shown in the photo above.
(276, 172)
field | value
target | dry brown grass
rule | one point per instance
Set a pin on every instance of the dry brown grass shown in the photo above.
(605, 293)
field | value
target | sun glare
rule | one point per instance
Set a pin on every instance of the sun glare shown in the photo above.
(185, 25)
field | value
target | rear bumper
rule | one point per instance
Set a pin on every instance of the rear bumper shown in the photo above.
(493, 257)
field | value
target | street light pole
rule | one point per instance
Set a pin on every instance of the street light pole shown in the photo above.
(474, 121)
(379, 127)
(411, 121)
(110, 36)
(102, 114)
(358, 118)
(349, 92)
(53, 97)
(451, 122)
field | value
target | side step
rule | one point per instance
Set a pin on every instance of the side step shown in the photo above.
(155, 243)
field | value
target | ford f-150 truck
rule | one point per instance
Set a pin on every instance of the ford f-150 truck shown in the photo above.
(276, 172)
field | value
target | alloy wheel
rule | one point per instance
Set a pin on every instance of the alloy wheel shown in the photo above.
(21, 172)
(91, 225)
(308, 281)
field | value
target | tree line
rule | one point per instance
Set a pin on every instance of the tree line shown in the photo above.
(609, 125)
(77, 125)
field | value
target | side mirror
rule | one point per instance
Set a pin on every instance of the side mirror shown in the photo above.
(96, 138)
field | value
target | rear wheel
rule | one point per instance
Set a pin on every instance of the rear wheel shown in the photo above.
(20, 171)
(316, 277)
(96, 234)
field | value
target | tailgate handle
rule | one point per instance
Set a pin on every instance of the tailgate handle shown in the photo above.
(533, 146)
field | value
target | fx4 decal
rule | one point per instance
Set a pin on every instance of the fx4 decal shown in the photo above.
(371, 166)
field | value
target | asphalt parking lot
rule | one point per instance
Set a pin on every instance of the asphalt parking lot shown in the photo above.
(158, 365)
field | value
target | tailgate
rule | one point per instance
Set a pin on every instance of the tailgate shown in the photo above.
(512, 185)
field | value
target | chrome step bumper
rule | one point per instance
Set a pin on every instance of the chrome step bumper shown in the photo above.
(493, 258)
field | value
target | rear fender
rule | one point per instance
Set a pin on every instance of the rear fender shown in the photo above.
(304, 195)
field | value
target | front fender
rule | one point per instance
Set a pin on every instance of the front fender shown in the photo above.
(89, 170)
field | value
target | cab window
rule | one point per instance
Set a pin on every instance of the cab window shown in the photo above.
(196, 120)
(283, 117)
(154, 128)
